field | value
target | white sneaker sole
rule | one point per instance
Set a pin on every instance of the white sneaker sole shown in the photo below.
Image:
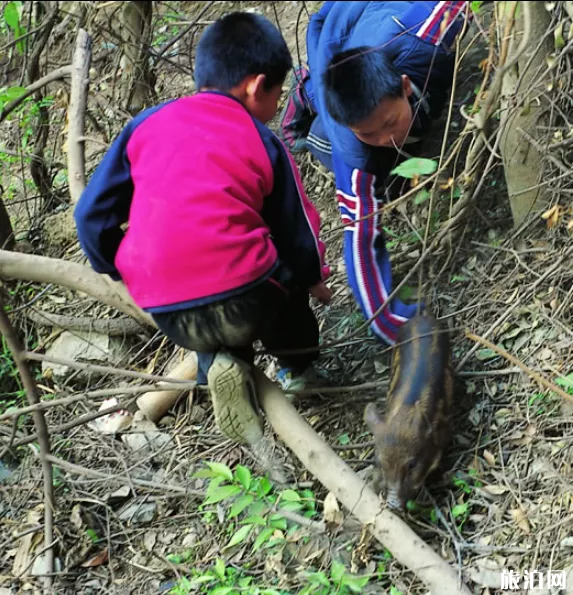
(230, 383)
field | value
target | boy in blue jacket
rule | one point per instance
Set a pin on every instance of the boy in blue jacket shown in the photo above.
(378, 74)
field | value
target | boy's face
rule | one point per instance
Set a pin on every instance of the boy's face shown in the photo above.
(389, 124)
(264, 104)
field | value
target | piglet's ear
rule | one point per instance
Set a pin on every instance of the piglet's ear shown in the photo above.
(371, 417)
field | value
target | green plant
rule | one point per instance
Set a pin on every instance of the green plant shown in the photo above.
(254, 506)
(12, 16)
(220, 580)
(337, 581)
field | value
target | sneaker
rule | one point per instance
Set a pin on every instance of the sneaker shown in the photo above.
(235, 405)
(296, 117)
(292, 380)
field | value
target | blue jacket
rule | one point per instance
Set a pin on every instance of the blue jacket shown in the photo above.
(418, 40)
(418, 37)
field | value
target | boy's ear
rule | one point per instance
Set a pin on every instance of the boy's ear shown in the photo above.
(255, 86)
(406, 85)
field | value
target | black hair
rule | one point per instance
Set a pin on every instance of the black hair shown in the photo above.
(356, 81)
(238, 45)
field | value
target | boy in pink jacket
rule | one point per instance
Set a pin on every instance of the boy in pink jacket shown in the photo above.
(222, 245)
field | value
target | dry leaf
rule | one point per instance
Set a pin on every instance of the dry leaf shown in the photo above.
(150, 540)
(76, 517)
(495, 490)
(488, 456)
(520, 517)
(97, 560)
(331, 512)
(483, 64)
(449, 184)
(552, 216)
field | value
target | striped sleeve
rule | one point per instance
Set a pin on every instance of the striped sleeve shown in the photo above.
(367, 260)
(437, 22)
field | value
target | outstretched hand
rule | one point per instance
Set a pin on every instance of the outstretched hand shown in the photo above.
(321, 292)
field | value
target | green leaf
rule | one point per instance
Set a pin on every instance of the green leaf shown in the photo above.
(355, 583)
(485, 354)
(278, 522)
(566, 382)
(318, 578)
(292, 506)
(239, 536)
(415, 166)
(222, 493)
(254, 520)
(394, 591)
(11, 16)
(459, 510)
(263, 536)
(290, 496)
(475, 6)
(337, 571)
(421, 197)
(222, 470)
(222, 591)
(240, 504)
(11, 93)
(264, 487)
(243, 475)
(220, 568)
(559, 43)
(257, 508)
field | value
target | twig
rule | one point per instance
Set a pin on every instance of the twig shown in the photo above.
(55, 75)
(78, 421)
(77, 115)
(162, 487)
(102, 369)
(43, 438)
(535, 375)
(107, 326)
(96, 394)
(501, 319)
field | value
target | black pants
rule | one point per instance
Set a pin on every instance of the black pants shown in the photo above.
(281, 320)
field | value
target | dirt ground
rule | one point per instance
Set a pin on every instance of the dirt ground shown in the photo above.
(506, 501)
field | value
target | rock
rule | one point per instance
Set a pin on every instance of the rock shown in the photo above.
(138, 514)
(85, 347)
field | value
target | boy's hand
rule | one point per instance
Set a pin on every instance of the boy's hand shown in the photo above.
(321, 292)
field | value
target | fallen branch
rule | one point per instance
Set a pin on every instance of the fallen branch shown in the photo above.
(532, 373)
(41, 269)
(106, 326)
(86, 397)
(162, 487)
(156, 404)
(43, 439)
(77, 115)
(353, 493)
(74, 423)
(55, 75)
(101, 369)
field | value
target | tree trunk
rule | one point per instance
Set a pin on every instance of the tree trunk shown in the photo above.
(523, 109)
(6, 231)
(137, 25)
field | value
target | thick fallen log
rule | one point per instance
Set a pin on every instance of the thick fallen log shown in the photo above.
(337, 477)
(155, 404)
(42, 269)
